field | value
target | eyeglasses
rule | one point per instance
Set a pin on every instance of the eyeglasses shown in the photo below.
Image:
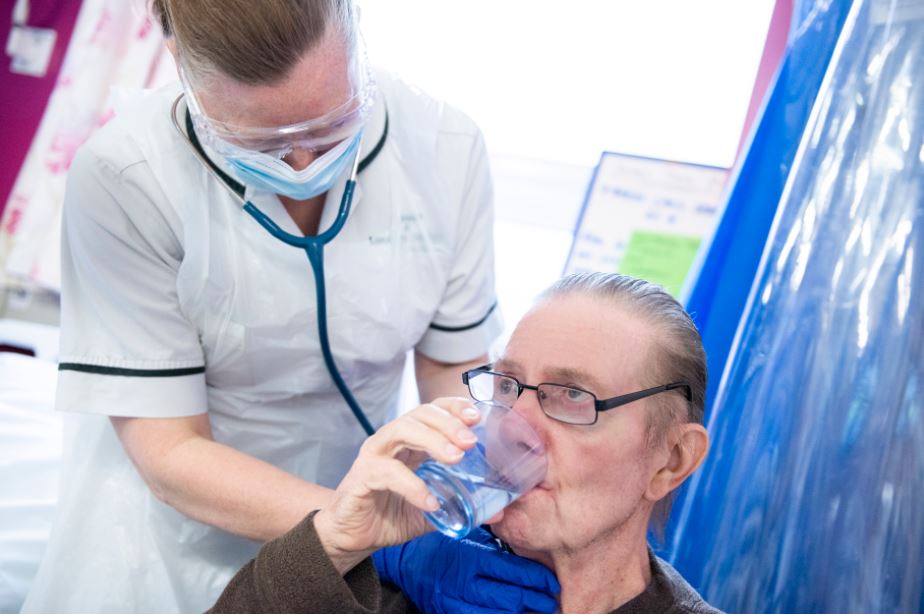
(563, 403)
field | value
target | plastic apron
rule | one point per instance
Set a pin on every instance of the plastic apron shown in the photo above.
(115, 547)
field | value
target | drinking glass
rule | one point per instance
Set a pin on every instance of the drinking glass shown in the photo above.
(507, 461)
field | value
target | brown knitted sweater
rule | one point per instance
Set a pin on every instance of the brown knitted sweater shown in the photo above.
(293, 574)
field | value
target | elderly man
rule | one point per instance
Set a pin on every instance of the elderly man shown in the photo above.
(633, 358)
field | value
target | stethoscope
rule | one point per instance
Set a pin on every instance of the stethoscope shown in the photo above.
(313, 246)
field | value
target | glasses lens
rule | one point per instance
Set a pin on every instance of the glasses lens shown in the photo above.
(485, 386)
(567, 404)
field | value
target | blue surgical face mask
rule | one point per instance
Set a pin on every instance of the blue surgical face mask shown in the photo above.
(266, 172)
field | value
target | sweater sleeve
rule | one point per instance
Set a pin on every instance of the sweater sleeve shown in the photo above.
(293, 574)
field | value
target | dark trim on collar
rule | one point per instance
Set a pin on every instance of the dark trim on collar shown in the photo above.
(374, 152)
(99, 370)
(459, 329)
(238, 187)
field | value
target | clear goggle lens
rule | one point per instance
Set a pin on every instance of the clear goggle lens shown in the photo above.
(317, 134)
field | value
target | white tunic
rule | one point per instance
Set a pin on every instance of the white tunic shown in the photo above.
(175, 302)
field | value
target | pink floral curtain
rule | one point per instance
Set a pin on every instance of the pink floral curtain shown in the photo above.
(116, 51)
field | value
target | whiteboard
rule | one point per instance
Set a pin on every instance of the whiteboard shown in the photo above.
(646, 217)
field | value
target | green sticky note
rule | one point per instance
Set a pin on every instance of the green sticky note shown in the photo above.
(662, 258)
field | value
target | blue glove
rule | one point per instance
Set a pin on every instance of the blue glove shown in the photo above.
(450, 576)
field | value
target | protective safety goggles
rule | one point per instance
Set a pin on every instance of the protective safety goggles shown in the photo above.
(315, 134)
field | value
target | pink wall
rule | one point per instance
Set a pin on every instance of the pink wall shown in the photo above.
(774, 46)
(23, 98)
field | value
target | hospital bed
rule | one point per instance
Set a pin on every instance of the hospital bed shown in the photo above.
(30, 453)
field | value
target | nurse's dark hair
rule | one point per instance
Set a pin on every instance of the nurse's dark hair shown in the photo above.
(257, 42)
(677, 356)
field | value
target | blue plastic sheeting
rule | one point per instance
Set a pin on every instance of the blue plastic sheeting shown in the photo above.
(812, 499)
(718, 295)
(726, 273)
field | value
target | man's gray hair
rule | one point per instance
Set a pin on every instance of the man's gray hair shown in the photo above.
(679, 357)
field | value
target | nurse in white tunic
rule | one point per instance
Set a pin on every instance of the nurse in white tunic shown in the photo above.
(202, 417)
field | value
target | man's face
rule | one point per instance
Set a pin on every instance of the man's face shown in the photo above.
(597, 475)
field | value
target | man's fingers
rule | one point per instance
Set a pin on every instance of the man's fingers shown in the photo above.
(394, 476)
(428, 428)
(440, 419)
(461, 408)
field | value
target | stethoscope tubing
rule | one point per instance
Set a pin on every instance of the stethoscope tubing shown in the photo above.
(313, 247)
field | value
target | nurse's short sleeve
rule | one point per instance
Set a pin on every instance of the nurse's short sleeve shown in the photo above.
(468, 319)
(126, 348)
